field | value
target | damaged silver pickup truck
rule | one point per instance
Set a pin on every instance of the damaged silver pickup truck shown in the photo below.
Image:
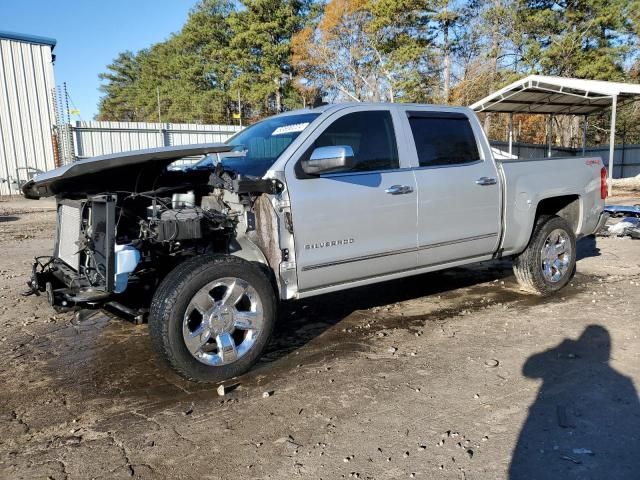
(301, 204)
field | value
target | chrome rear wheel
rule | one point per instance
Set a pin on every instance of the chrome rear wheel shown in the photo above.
(556, 255)
(549, 260)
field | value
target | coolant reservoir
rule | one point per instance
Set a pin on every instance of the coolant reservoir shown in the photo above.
(127, 258)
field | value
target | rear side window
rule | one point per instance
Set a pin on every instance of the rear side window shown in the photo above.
(443, 139)
(371, 136)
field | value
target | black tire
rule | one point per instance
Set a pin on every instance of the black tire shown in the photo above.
(173, 297)
(528, 265)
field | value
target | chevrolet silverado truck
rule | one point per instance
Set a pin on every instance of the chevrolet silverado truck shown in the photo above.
(301, 204)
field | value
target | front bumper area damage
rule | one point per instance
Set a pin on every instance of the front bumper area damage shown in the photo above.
(83, 270)
(123, 224)
(63, 287)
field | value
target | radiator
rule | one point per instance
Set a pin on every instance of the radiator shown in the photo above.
(68, 235)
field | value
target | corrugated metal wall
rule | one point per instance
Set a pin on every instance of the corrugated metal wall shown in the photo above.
(626, 159)
(26, 111)
(100, 138)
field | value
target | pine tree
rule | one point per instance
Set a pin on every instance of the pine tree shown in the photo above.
(119, 100)
(260, 52)
(585, 39)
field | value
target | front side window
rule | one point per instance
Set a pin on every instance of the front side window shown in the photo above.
(369, 134)
(443, 139)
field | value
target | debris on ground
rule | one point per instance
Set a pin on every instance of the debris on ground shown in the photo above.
(623, 210)
(570, 459)
(624, 221)
(583, 451)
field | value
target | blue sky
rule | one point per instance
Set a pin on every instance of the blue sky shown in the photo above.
(91, 33)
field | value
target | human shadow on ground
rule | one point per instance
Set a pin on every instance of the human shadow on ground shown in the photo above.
(585, 421)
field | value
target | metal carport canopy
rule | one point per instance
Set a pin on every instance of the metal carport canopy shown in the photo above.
(557, 95)
(540, 94)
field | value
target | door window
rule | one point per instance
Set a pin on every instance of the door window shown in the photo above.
(443, 139)
(370, 135)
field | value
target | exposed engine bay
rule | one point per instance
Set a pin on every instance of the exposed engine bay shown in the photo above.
(125, 239)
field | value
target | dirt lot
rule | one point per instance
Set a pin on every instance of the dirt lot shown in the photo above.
(451, 375)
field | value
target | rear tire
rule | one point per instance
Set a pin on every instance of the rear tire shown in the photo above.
(549, 261)
(212, 317)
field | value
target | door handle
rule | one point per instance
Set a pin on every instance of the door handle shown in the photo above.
(486, 181)
(399, 189)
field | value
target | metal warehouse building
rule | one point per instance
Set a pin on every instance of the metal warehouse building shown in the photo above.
(27, 108)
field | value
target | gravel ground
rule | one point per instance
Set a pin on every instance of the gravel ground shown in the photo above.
(450, 375)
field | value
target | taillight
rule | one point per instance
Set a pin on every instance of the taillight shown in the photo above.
(603, 183)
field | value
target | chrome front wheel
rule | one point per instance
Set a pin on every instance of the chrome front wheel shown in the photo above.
(211, 318)
(222, 321)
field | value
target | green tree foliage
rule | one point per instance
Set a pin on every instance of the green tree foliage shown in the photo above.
(119, 98)
(283, 54)
(585, 39)
(189, 72)
(403, 33)
(221, 51)
(261, 51)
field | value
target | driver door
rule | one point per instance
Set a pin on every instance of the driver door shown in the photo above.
(360, 222)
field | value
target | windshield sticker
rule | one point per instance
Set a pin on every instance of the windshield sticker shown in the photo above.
(296, 127)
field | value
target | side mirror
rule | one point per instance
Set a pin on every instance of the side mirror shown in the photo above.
(328, 159)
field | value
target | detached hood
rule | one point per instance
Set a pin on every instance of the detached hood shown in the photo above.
(117, 171)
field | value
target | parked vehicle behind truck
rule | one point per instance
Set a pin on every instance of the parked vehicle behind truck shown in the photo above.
(297, 205)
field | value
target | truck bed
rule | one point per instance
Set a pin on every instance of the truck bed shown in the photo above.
(528, 182)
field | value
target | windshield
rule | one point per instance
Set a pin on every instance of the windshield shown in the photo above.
(259, 146)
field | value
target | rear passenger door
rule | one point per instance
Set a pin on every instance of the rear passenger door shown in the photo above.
(360, 222)
(458, 187)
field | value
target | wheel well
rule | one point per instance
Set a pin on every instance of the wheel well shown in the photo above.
(566, 206)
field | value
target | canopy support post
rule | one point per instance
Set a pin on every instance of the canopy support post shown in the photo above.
(612, 140)
(510, 133)
(549, 134)
(584, 135)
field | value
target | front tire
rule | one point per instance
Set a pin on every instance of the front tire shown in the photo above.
(212, 317)
(549, 261)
